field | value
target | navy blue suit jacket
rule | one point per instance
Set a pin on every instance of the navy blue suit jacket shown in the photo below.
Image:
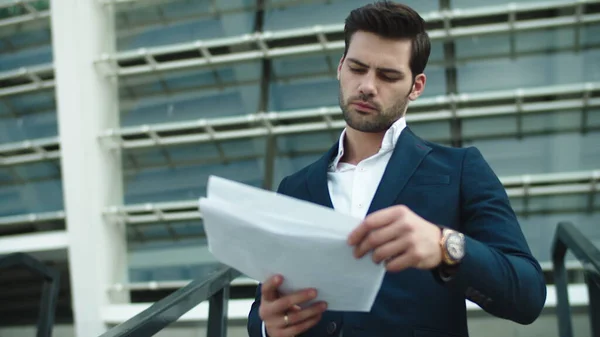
(452, 187)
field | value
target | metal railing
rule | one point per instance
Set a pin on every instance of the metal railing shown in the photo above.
(568, 237)
(50, 289)
(158, 316)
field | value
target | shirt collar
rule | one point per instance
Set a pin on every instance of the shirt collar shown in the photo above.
(389, 140)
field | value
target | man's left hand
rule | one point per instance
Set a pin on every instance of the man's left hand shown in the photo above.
(400, 238)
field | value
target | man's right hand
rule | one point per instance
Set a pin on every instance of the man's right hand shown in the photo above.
(282, 315)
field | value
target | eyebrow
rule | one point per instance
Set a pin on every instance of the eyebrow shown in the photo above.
(386, 70)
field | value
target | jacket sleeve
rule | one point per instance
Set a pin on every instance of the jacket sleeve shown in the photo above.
(498, 271)
(254, 321)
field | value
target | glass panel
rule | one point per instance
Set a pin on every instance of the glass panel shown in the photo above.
(15, 38)
(550, 204)
(286, 165)
(11, 60)
(528, 71)
(34, 102)
(249, 148)
(43, 196)
(332, 12)
(541, 154)
(5, 176)
(483, 3)
(186, 183)
(226, 103)
(25, 127)
(305, 94)
(38, 170)
(539, 230)
(528, 123)
(438, 131)
(179, 22)
(302, 65)
(315, 143)
(436, 81)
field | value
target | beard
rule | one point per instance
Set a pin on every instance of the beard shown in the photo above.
(371, 122)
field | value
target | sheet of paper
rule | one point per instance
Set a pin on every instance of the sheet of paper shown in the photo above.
(261, 233)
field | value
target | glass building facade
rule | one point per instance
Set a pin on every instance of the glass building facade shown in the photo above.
(172, 91)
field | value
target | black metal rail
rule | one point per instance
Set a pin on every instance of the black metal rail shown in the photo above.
(569, 238)
(50, 289)
(158, 316)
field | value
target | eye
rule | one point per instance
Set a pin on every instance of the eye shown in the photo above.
(357, 70)
(388, 78)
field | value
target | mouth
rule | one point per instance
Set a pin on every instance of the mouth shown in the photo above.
(364, 106)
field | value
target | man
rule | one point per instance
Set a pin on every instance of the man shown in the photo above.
(437, 217)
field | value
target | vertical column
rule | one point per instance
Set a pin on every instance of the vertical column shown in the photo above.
(87, 104)
(451, 76)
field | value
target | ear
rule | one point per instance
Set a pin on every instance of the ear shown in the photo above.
(418, 87)
(339, 69)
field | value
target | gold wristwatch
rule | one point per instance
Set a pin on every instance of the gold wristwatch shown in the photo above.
(453, 246)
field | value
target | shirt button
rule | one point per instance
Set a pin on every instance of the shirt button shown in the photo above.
(331, 327)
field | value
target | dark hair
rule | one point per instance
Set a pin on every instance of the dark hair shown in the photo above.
(392, 20)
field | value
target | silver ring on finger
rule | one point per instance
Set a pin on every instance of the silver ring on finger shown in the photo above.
(286, 319)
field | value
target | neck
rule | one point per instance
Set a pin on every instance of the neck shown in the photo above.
(359, 146)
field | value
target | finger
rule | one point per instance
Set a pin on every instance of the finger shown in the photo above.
(269, 288)
(376, 220)
(283, 304)
(295, 308)
(391, 250)
(401, 262)
(378, 237)
(307, 313)
(295, 330)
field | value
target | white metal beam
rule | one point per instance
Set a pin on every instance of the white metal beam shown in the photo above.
(330, 118)
(259, 42)
(27, 79)
(32, 218)
(154, 212)
(246, 281)
(516, 186)
(34, 242)
(238, 309)
(211, 11)
(87, 103)
(551, 178)
(570, 265)
(30, 13)
(29, 151)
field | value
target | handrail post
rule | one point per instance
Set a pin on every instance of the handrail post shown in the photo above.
(215, 289)
(567, 236)
(50, 290)
(563, 307)
(48, 304)
(593, 285)
(217, 313)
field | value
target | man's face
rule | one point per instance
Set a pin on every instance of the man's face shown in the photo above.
(376, 82)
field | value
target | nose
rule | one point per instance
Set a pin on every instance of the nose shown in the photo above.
(367, 85)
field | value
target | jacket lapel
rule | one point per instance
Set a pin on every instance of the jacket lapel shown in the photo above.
(407, 156)
(317, 178)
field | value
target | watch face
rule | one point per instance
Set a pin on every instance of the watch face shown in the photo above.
(455, 246)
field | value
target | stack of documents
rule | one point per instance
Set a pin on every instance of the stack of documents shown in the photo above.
(261, 233)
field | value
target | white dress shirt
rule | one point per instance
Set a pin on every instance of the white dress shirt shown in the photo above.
(352, 187)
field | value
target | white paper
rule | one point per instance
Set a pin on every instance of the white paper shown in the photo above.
(261, 233)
